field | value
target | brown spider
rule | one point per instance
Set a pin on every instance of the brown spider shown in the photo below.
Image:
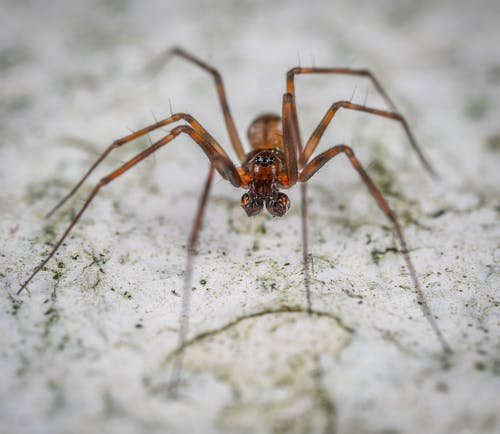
(278, 161)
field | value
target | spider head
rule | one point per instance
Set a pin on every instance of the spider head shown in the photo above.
(263, 189)
(265, 168)
(264, 165)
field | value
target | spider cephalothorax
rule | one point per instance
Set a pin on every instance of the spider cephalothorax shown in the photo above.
(265, 168)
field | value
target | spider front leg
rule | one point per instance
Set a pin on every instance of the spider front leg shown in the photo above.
(293, 155)
(316, 163)
(131, 137)
(214, 152)
(290, 76)
(394, 113)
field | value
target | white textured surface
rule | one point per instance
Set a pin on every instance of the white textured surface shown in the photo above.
(87, 350)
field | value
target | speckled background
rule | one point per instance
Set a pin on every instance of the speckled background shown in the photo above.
(89, 349)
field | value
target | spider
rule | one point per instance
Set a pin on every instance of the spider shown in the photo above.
(278, 160)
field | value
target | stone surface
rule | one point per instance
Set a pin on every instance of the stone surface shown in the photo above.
(89, 348)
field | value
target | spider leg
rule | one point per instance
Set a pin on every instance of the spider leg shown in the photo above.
(228, 118)
(126, 139)
(305, 244)
(293, 152)
(313, 141)
(290, 76)
(291, 138)
(188, 279)
(218, 159)
(357, 72)
(316, 163)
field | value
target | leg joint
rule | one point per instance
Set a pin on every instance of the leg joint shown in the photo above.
(292, 72)
(346, 149)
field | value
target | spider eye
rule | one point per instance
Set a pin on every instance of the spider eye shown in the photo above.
(279, 205)
(264, 160)
(251, 204)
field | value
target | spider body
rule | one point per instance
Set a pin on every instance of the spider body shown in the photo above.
(278, 160)
(264, 170)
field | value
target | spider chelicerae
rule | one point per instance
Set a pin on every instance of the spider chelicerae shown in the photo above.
(278, 160)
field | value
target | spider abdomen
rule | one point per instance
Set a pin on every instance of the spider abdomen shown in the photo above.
(266, 132)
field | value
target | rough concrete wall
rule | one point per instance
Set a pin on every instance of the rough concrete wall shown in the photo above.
(88, 349)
